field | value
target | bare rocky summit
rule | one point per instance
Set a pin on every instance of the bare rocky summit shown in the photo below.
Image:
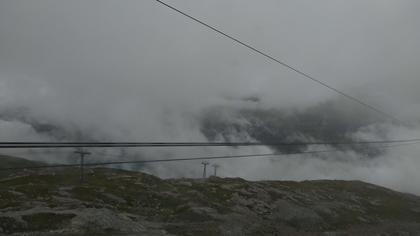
(117, 202)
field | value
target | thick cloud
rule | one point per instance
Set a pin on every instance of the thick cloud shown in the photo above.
(136, 71)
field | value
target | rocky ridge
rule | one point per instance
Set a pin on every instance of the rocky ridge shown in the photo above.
(117, 202)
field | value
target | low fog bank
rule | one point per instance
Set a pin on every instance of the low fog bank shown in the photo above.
(242, 120)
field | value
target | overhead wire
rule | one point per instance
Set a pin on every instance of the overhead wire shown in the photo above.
(274, 59)
(9, 145)
(166, 160)
(189, 159)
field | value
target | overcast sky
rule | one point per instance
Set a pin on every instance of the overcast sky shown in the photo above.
(76, 54)
(134, 69)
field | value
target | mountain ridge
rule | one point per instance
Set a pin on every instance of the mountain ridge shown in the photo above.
(118, 202)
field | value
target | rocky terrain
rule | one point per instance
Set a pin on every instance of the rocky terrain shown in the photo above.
(117, 202)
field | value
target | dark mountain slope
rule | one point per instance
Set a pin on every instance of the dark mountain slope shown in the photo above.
(325, 122)
(10, 161)
(116, 202)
